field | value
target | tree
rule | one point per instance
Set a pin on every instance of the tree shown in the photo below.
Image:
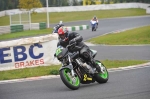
(29, 4)
(102, 2)
(1, 5)
(52, 3)
(75, 3)
(108, 2)
(65, 2)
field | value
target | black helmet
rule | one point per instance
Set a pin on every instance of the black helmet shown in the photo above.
(94, 17)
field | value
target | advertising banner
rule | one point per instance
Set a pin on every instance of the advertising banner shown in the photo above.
(28, 55)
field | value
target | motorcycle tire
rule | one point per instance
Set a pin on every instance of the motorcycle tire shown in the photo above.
(95, 27)
(71, 82)
(101, 77)
(92, 28)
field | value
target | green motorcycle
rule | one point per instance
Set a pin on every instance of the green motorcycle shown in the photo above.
(75, 70)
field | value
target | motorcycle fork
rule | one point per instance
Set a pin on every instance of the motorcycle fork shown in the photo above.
(71, 67)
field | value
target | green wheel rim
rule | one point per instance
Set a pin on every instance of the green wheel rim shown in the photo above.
(105, 74)
(70, 79)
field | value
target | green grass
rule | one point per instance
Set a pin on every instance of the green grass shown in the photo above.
(55, 17)
(134, 36)
(54, 70)
(29, 72)
(25, 34)
(122, 63)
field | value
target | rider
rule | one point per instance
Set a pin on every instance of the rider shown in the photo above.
(57, 26)
(67, 38)
(95, 19)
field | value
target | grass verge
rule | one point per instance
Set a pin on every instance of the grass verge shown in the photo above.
(134, 36)
(25, 34)
(79, 15)
(54, 70)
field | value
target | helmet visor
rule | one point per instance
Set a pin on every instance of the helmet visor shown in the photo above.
(62, 36)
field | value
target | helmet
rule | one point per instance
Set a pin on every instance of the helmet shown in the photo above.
(60, 22)
(62, 33)
(94, 17)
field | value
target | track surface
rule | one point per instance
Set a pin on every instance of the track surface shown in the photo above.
(136, 52)
(126, 84)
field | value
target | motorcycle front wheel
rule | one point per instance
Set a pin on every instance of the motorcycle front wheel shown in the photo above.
(102, 77)
(70, 81)
(92, 28)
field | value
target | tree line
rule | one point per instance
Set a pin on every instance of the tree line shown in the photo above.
(13, 4)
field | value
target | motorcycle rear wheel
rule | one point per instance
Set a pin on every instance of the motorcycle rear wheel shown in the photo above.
(71, 82)
(102, 77)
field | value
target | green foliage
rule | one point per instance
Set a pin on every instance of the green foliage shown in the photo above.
(55, 3)
(75, 3)
(92, 2)
(102, 1)
(65, 3)
(8, 4)
(29, 4)
(13, 4)
(116, 1)
(108, 2)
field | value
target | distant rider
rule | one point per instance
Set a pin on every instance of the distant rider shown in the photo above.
(57, 26)
(95, 19)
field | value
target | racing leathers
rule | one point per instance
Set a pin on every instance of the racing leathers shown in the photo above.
(83, 49)
(94, 20)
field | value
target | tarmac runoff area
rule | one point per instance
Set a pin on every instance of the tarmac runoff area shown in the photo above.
(145, 65)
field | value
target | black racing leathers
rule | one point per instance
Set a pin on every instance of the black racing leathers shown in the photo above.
(73, 35)
(83, 49)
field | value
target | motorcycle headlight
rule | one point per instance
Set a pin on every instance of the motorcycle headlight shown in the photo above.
(59, 56)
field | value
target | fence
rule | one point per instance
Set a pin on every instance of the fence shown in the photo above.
(22, 27)
(5, 29)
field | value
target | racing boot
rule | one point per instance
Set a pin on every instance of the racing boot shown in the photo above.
(96, 66)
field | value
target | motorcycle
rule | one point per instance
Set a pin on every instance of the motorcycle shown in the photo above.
(94, 25)
(75, 70)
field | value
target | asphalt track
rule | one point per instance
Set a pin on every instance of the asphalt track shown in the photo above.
(132, 83)
(136, 52)
(122, 84)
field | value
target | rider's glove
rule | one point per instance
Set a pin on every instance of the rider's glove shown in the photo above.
(72, 41)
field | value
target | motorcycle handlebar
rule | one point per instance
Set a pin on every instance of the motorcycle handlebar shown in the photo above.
(71, 45)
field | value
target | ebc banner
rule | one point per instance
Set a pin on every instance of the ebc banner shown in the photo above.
(22, 56)
(31, 55)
